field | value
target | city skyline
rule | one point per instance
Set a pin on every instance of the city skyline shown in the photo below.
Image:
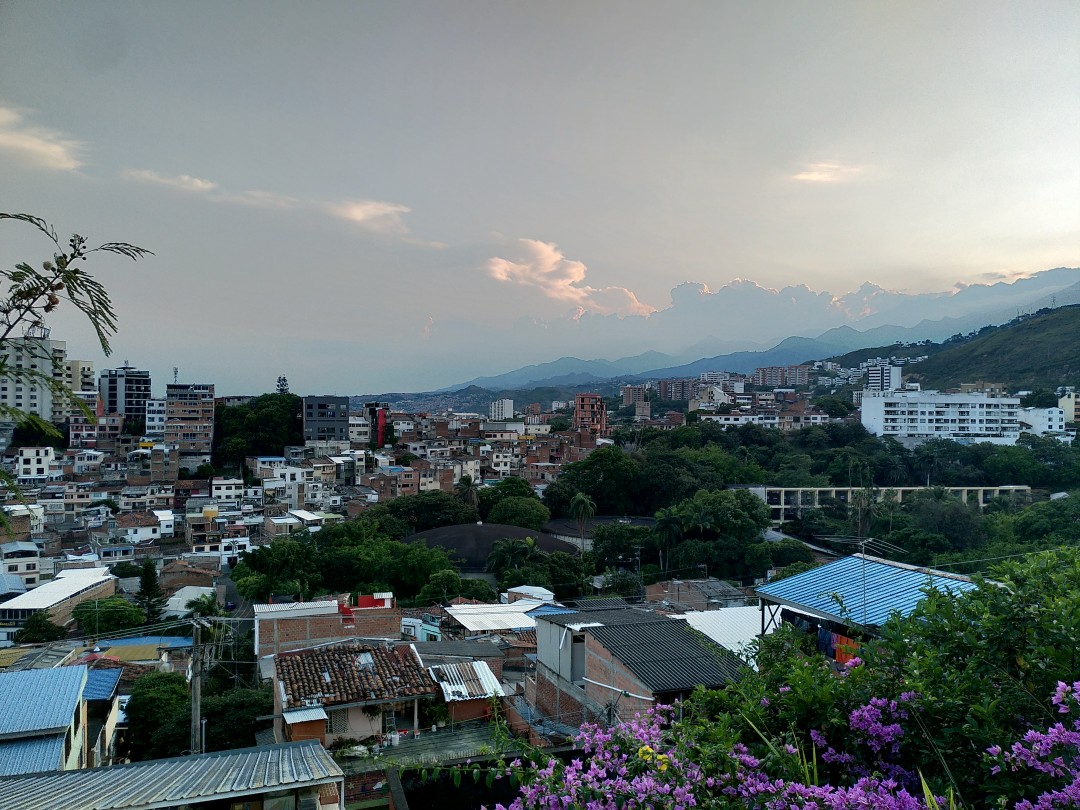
(364, 197)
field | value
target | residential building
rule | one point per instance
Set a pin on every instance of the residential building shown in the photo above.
(36, 352)
(359, 430)
(44, 722)
(912, 417)
(326, 418)
(22, 558)
(678, 390)
(501, 410)
(349, 690)
(1069, 402)
(189, 420)
(782, 375)
(295, 625)
(884, 378)
(57, 597)
(1043, 422)
(155, 409)
(633, 394)
(590, 414)
(125, 391)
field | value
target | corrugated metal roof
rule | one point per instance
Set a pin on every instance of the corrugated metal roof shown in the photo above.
(481, 618)
(304, 715)
(297, 608)
(142, 641)
(173, 782)
(869, 588)
(57, 590)
(101, 684)
(550, 610)
(31, 755)
(39, 700)
(668, 656)
(733, 628)
(605, 616)
(470, 680)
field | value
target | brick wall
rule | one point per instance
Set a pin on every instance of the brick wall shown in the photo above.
(294, 633)
(603, 667)
(61, 613)
(552, 701)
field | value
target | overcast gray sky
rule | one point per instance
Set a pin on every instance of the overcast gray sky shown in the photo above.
(371, 196)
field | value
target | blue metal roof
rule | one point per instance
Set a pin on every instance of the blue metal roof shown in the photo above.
(39, 700)
(869, 588)
(143, 641)
(31, 755)
(550, 610)
(101, 684)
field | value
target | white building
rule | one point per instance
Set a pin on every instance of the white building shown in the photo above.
(502, 409)
(884, 378)
(37, 353)
(1042, 421)
(155, 418)
(912, 417)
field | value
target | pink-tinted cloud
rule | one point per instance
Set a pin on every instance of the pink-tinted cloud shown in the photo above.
(544, 267)
(37, 145)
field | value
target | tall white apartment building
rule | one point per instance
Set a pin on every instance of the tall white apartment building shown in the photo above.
(912, 417)
(884, 378)
(502, 409)
(37, 352)
(155, 418)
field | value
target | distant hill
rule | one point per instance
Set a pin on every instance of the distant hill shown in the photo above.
(1041, 350)
(566, 371)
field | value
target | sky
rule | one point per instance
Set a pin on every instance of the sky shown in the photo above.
(369, 197)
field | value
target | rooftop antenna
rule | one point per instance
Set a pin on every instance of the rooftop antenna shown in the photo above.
(878, 547)
(175, 374)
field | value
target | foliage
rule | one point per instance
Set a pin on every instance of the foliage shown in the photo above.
(442, 586)
(203, 607)
(125, 570)
(490, 497)
(528, 513)
(430, 510)
(157, 698)
(607, 475)
(559, 424)
(100, 617)
(39, 629)
(282, 385)
(150, 598)
(264, 426)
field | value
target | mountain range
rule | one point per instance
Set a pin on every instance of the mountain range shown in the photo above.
(820, 325)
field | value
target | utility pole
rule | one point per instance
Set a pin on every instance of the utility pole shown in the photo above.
(196, 689)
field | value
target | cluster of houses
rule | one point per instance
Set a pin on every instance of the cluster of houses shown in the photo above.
(362, 687)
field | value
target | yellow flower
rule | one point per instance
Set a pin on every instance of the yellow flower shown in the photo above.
(645, 753)
(662, 762)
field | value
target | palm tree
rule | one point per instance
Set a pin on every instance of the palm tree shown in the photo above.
(512, 553)
(668, 529)
(466, 489)
(581, 508)
(203, 606)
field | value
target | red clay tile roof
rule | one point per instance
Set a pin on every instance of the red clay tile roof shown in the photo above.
(351, 673)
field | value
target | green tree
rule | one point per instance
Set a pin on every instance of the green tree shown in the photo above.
(566, 573)
(282, 385)
(528, 513)
(39, 629)
(466, 489)
(490, 497)
(432, 509)
(150, 598)
(559, 424)
(285, 566)
(234, 717)
(101, 617)
(668, 529)
(263, 426)
(582, 508)
(125, 570)
(157, 699)
(204, 606)
(513, 553)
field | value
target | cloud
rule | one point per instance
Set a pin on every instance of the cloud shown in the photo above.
(827, 173)
(37, 145)
(261, 199)
(544, 267)
(374, 215)
(184, 182)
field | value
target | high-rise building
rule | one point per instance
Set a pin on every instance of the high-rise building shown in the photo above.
(38, 353)
(124, 391)
(912, 417)
(189, 418)
(884, 378)
(326, 419)
(590, 414)
(633, 394)
(155, 418)
(501, 410)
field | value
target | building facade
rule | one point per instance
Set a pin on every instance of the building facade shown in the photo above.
(590, 414)
(189, 418)
(125, 391)
(912, 417)
(326, 418)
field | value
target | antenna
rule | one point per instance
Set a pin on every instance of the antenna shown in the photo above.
(175, 374)
(879, 547)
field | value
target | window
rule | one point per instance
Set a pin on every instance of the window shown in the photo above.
(337, 721)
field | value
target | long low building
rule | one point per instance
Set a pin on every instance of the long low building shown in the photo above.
(58, 597)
